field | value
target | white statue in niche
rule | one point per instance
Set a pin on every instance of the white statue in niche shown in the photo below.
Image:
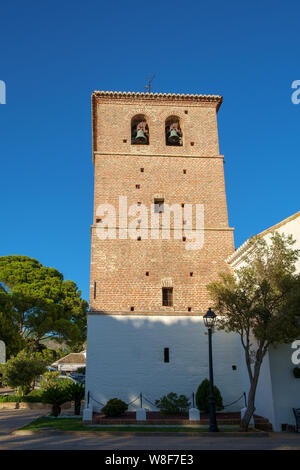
(2, 352)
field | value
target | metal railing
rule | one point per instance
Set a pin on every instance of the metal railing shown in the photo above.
(142, 397)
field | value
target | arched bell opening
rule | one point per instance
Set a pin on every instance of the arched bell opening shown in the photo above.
(139, 130)
(173, 131)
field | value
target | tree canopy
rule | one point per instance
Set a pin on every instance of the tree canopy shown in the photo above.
(20, 371)
(9, 331)
(42, 303)
(260, 302)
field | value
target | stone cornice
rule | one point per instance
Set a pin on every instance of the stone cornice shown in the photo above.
(158, 313)
(209, 229)
(159, 96)
(221, 157)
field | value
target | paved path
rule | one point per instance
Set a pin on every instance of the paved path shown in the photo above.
(13, 419)
(7, 391)
(61, 441)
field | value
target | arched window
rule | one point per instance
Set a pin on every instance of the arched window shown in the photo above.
(139, 130)
(173, 131)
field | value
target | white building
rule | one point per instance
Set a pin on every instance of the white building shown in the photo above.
(278, 390)
(70, 363)
(128, 358)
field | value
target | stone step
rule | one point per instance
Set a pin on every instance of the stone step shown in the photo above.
(260, 422)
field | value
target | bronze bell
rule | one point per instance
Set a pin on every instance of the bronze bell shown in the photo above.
(173, 137)
(140, 137)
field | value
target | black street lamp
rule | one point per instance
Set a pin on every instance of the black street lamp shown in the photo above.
(209, 321)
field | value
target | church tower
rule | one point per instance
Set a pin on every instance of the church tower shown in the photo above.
(160, 234)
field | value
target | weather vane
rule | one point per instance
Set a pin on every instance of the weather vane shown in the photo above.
(147, 88)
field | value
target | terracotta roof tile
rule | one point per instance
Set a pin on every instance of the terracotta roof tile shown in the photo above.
(73, 358)
(132, 94)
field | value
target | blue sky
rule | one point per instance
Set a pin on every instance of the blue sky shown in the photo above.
(54, 54)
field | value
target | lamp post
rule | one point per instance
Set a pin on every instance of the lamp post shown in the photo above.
(209, 321)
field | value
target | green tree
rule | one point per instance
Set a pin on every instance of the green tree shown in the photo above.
(45, 306)
(48, 355)
(260, 303)
(9, 332)
(55, 396)
(76, 393)
(21, 371)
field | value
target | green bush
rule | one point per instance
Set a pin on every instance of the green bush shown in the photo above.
(64, 383)
(36, 393)
(202, 397)
(172, 404)
(48, 380)
(35, 396)
(296, 372)
(114, 407)
(55, 396)
(53, 379)
(9, 398)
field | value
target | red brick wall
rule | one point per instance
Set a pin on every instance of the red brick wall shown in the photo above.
(119, 266)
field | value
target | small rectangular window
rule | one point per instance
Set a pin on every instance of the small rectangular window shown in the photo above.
(158, 205)
(95, 289)
(166, 355)
(167, 296)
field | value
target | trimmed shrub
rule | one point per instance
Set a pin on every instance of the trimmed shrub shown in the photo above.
(202, 397)
(172, 404)
(114, 407)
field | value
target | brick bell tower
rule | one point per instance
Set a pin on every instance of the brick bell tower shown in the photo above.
(147, 293)
(129, 274)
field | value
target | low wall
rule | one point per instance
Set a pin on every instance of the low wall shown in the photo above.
(33, 406)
